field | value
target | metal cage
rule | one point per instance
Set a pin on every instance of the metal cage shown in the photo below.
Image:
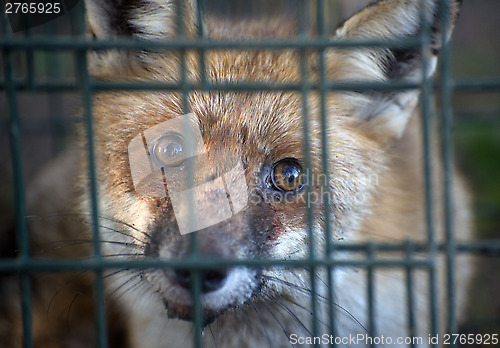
(11, 86)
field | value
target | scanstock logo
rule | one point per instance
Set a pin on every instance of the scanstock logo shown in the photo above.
(172, 159)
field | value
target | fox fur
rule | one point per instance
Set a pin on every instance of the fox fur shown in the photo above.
(375, 184)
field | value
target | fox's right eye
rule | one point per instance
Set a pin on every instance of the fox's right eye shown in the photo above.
(169, 149)
(287, 175)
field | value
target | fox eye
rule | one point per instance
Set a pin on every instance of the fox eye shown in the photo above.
(169, 150)
(287, 175)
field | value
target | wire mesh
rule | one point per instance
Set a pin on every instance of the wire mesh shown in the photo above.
(24, 265)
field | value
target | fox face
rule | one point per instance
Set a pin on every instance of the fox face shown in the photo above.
(273, 222)
(243, 179)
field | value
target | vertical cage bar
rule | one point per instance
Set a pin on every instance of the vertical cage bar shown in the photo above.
(372, 330)
(195, 273)
(428, 144)
(305, 90)
(410, 284)
(201, 51)
(4, 28)
(447, 158)
(53, 66)
(87, 94)
(325, 184)
(19, 198)
(30, 62)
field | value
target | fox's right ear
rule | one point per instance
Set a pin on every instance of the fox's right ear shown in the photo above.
(137, 19)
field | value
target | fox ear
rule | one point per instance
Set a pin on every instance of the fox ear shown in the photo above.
(145, 19)
(391, 20)
(139, 19)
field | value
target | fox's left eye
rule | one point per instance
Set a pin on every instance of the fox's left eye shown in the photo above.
(287, 175)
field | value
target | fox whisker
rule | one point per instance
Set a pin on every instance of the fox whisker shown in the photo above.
(69, 243)
(262, 323)
(297, 287)
(301, 307)
(67, 283)
(263, 302)
(74, 217)
(135, 277)
(319, 297)
(110, 275)
(212, 335)
(119, 231)
(122, 254)
(75, 298)
(293, 315)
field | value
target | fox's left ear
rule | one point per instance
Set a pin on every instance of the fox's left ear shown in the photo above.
(388, 113)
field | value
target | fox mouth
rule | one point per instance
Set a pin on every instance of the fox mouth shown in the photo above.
(177, 310)
(220, 292)
(185, 312)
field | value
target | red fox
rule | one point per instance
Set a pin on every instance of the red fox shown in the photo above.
(251, 183)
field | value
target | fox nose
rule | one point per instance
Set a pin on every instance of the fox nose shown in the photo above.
(211, 280)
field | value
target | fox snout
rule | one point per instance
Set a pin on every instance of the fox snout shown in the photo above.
(222, 288)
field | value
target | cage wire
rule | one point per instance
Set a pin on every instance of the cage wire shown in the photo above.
(11, 85)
